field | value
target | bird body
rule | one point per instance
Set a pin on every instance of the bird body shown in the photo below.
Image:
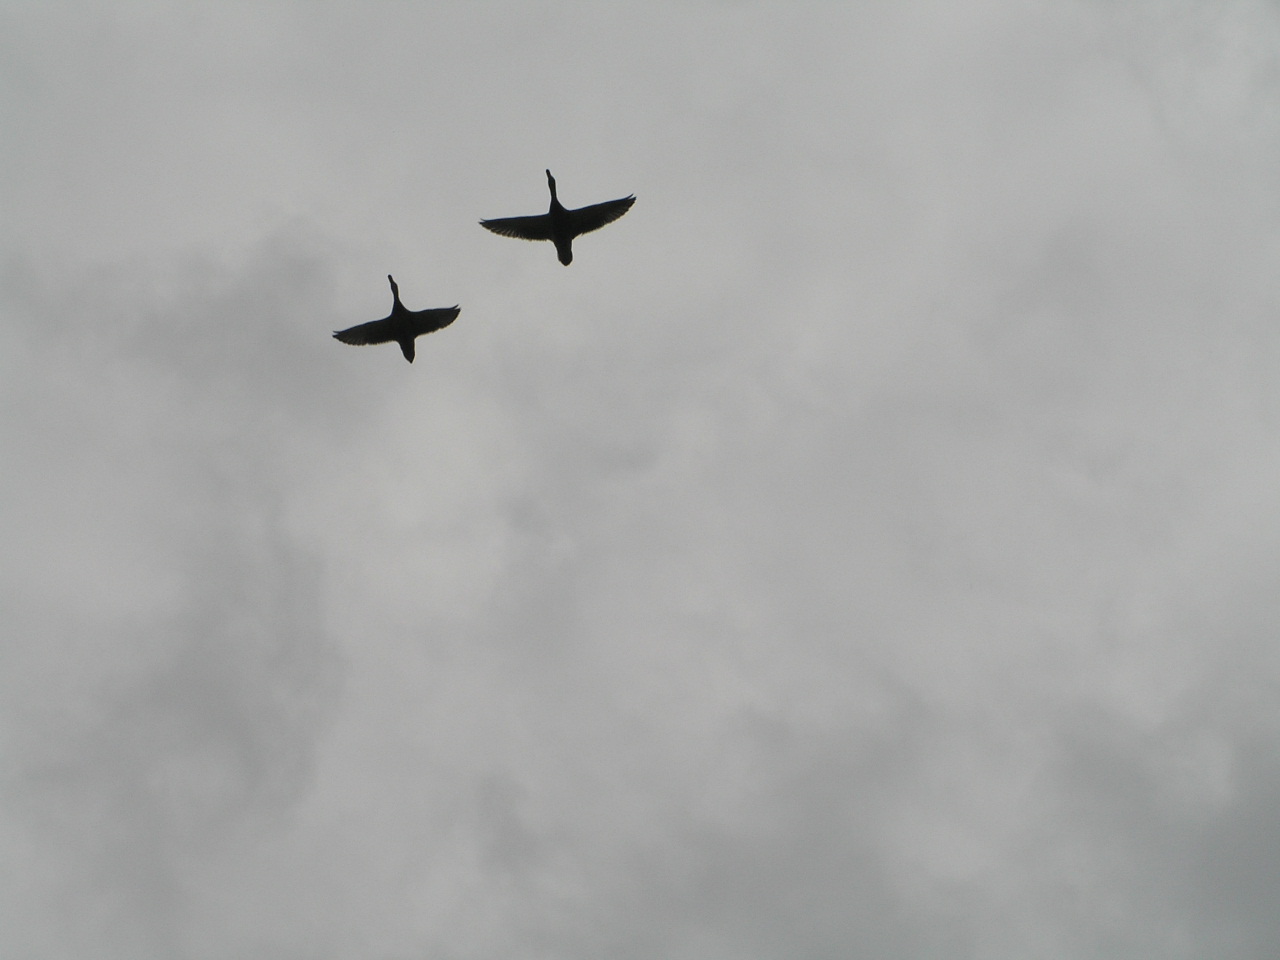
(401, 325)
(559, 224)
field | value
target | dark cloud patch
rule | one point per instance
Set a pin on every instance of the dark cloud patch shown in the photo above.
(181, 714)
(203, 736)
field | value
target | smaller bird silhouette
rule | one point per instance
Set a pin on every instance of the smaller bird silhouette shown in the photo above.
(401, 325)
(559, 225)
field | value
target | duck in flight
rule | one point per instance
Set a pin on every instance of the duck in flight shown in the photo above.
(402, 325)
(559, 225)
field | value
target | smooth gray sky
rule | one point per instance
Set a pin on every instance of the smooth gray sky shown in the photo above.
(868, 547)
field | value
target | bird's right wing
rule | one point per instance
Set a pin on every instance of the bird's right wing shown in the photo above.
(376, 331)
(522, 228)
(428, 321)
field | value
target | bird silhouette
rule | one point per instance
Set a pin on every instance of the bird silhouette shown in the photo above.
(401, 325)
(560, 225)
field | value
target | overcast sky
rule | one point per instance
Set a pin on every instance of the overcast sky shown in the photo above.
(868, 548)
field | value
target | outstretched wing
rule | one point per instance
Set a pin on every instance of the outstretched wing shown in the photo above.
(522, 228)
(428, 321)
(586, 219)
(376, 331)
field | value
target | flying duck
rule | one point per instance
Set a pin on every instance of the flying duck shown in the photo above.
(559, 225)
(402, 325)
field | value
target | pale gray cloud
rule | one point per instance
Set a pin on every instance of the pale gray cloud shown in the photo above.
(866, 548)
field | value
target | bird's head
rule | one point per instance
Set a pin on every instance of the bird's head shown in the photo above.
(551, 184)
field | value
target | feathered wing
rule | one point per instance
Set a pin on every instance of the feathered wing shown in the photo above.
(376, 331)
(586, 219)
(522, 228)
(428, 321)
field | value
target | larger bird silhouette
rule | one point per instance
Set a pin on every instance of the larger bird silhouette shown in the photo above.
(560, 225)
(401, 325)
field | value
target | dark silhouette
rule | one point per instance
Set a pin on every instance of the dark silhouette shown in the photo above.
(559, 225)
(401, 325)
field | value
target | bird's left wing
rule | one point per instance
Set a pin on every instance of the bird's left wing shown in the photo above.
(586, 219)
(428, 321)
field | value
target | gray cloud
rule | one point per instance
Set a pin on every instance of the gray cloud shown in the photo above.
(864, 549)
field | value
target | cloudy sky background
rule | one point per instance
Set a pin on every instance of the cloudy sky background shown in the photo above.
(868, 548)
